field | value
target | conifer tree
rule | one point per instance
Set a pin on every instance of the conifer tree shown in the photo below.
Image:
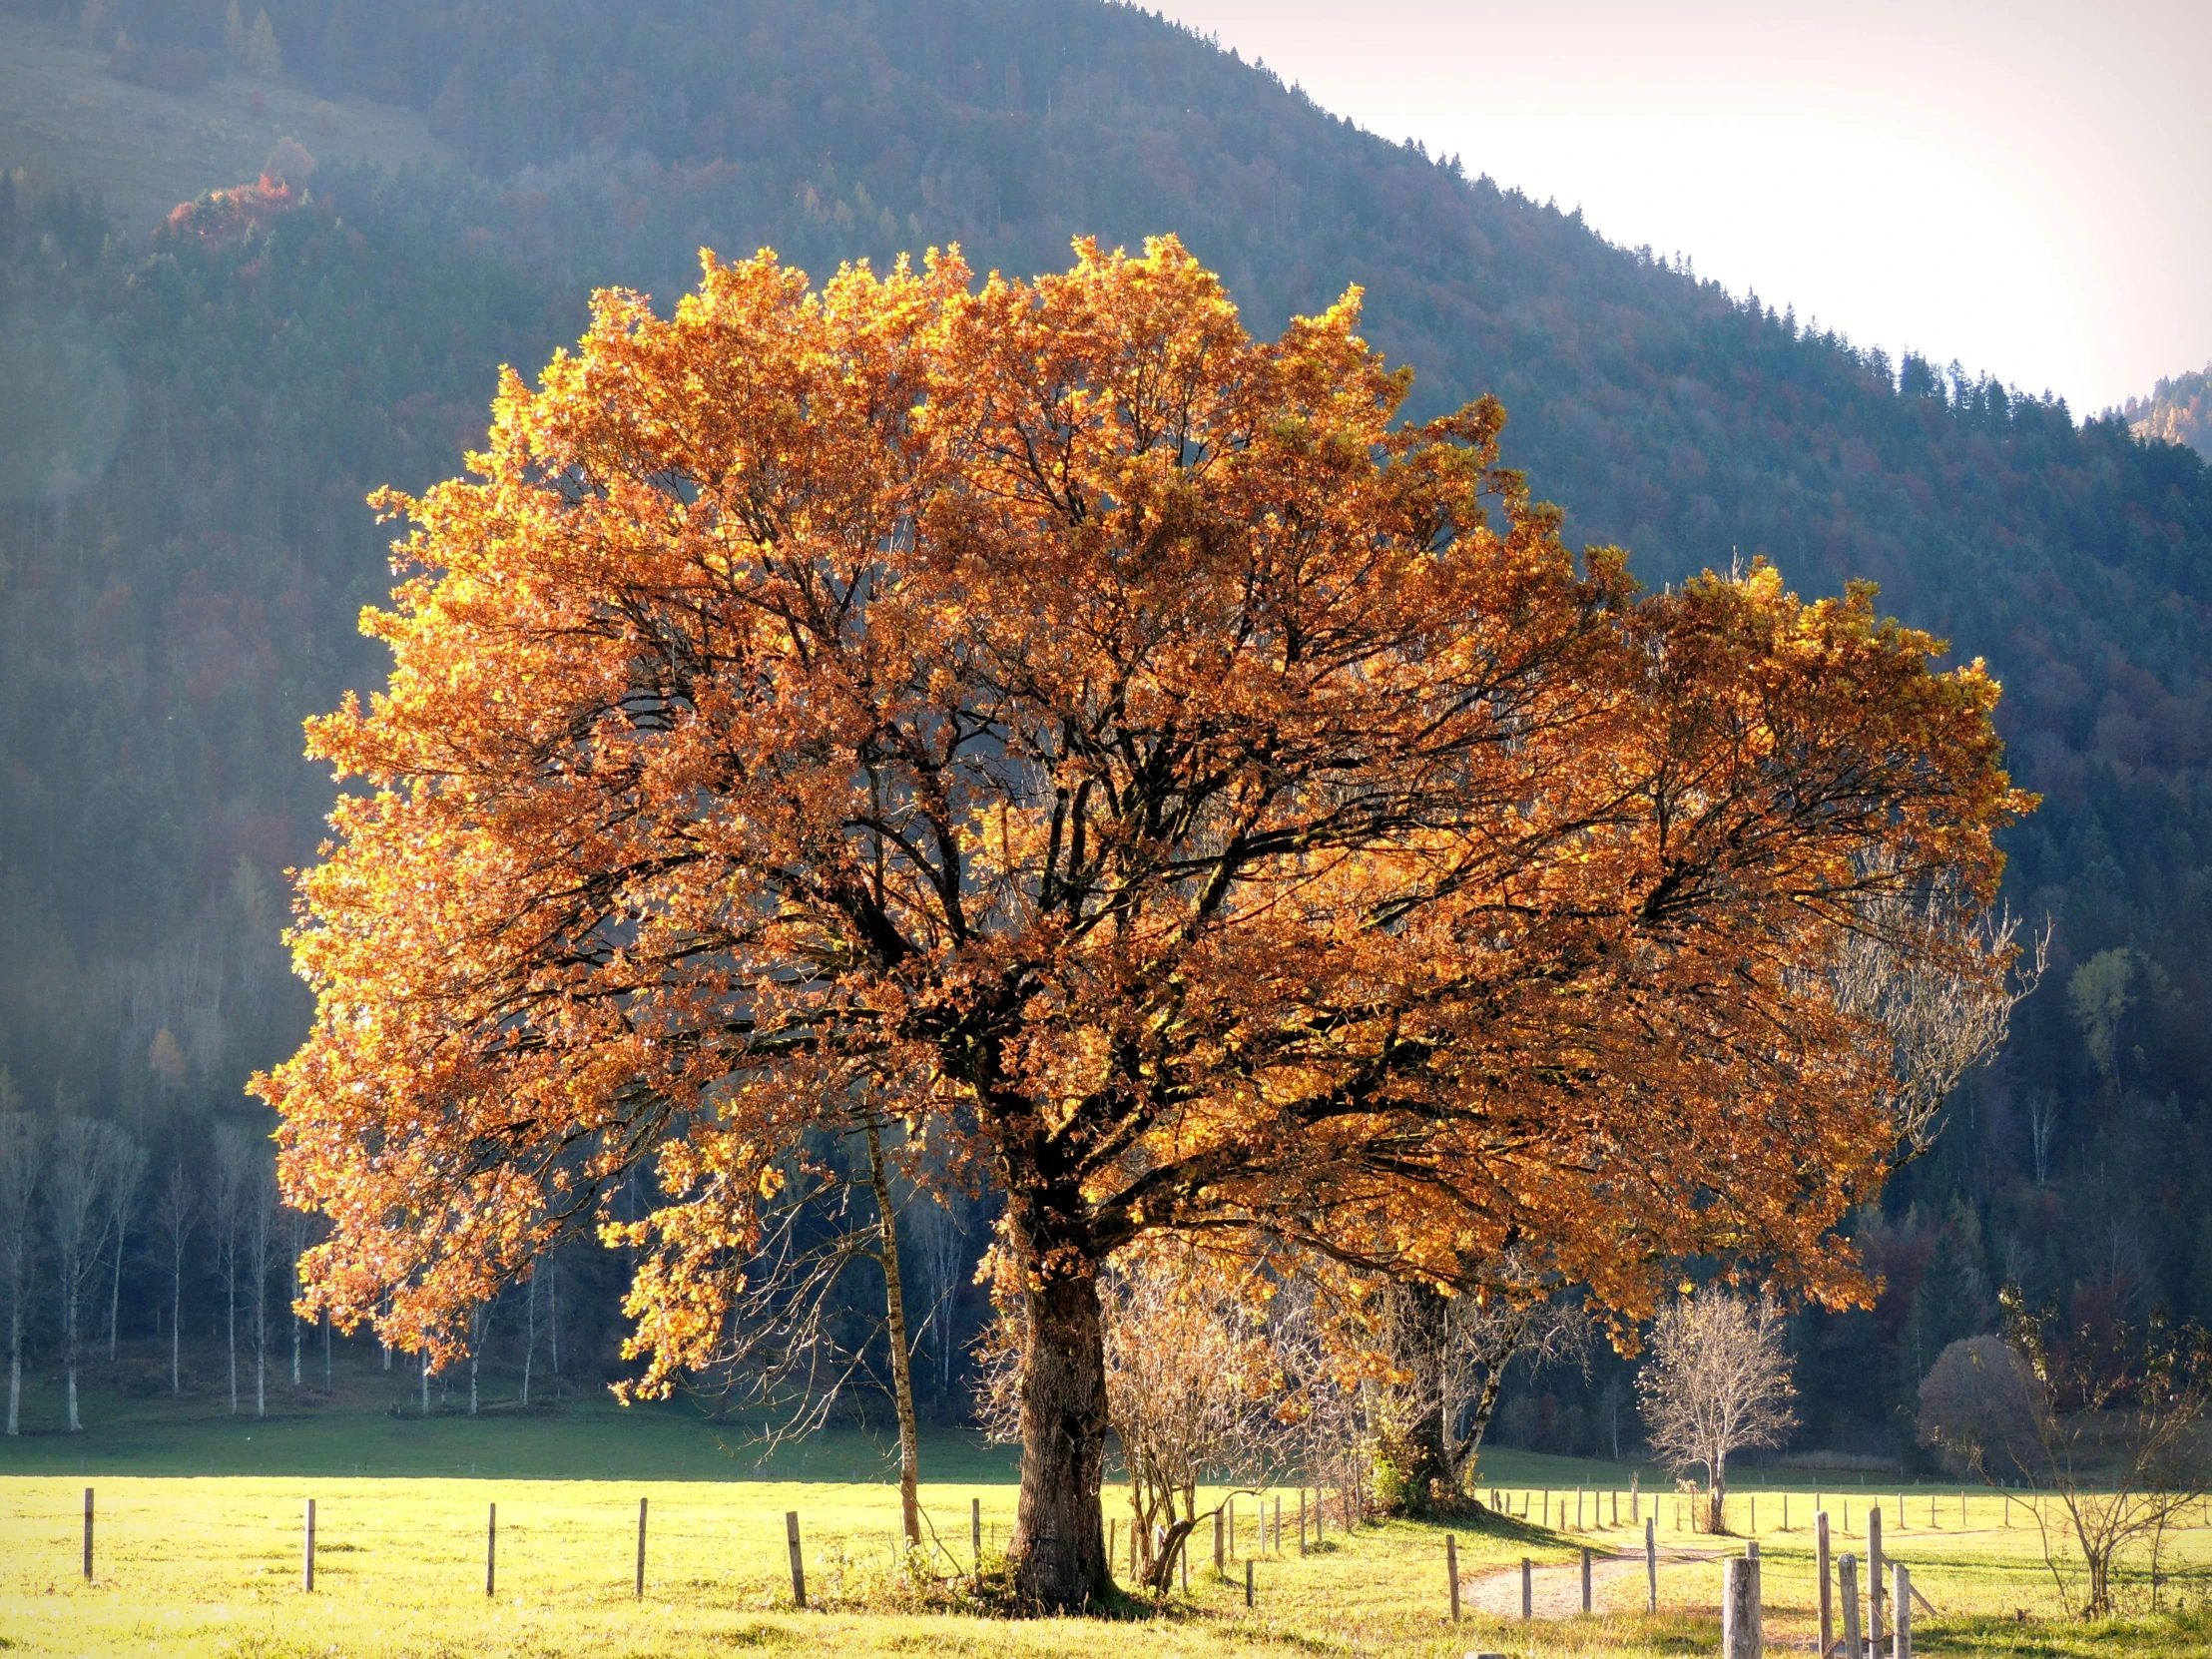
(261, 56)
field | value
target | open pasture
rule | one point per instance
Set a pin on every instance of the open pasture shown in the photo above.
(191, 1566)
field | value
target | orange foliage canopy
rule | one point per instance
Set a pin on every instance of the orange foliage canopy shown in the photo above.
(1045, 711)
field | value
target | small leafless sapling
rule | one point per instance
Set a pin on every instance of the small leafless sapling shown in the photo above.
(2106, 1422)
(1717, 1382)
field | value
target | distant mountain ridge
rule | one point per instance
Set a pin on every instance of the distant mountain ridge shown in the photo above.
(2180, 411)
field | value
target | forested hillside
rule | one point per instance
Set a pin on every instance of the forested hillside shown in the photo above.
(192, 423)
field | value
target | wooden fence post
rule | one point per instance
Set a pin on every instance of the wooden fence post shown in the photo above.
(1219, 1559)
(1247, 1580)
(306, 1551)
(1901, 1614)
(492, 1552)
(1585, 1579)
(1651, 1560)
(1452, 1572)
(1301, 1520)
(641, 1550)
(1828, 1598)
(798, 1557)
(1873, 1576)
(1846, 1582)
(1741, 1635)
(1528, 1590)
(975, 1530)
(88, 1534)
(1279, 1525)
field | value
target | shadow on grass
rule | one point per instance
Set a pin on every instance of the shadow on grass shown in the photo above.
(2158, 1636)
(1493, 1523)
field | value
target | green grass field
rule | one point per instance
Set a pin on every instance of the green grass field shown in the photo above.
(199, 1536)
(64, 118)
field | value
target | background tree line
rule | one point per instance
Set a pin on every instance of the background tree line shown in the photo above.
(181, 561)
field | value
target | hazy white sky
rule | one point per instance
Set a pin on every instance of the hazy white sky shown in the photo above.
(2026, 187)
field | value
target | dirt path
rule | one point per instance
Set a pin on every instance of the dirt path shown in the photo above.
(1557, 1590)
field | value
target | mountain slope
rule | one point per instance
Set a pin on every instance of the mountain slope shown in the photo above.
(164, 627)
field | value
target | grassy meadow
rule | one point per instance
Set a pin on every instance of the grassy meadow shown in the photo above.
(210, 1565)
(199, 1532)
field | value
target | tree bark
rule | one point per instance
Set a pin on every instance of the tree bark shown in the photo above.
(1717, 1498)
(530, 1340)
(176, 1321)
(1415, 1439)
(69, 1344)
(114, 1294)
(894, 1301)
(1058, 1555)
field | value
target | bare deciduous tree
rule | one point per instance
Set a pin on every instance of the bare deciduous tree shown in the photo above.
(299, 1229)
(124, 1184)
(176, 1213)
(938, 1228)
(234, 1176)
(22, 1148)
(1718, 1383)
(2107, 1421)
(1940, 1022)
(260, 1206)
(1188, 1374)
(85, 1159)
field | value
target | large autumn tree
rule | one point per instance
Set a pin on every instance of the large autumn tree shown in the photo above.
(1047, 713)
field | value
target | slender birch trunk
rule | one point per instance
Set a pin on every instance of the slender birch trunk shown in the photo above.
(902, 1381)
(176, 1319)
(114, 1294)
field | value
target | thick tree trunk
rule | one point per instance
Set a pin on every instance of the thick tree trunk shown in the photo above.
(1414, 1441)
(1718, 1498)
(15, 1368)
(1058, 1555)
